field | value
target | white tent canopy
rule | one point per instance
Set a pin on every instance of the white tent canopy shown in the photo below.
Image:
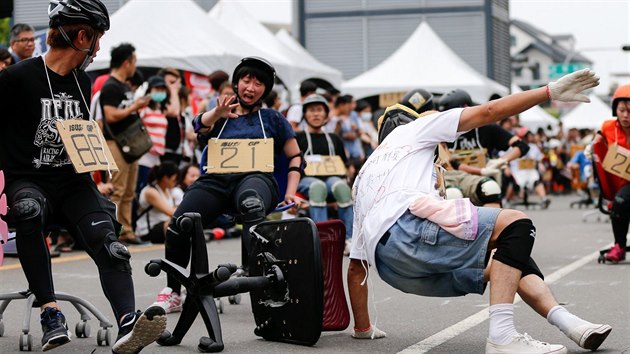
(308, 65)
(587, 115)
(423, 61)
(292, 66)
(536, 117)
(172, 36)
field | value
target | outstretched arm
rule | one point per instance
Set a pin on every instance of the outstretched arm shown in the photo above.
(568, 88)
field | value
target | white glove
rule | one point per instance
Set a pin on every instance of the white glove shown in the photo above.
(569, 87)
(497, 164)
(488, 171)
(372, 333)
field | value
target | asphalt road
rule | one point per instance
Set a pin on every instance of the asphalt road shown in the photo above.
(566, 251)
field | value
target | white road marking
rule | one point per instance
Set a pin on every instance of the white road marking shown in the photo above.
(472, 321)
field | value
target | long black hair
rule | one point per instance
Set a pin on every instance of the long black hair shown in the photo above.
(166, 169)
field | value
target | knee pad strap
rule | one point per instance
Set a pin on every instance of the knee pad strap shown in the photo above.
(515, 243)
(251, 206)
(317, 193)
(342, 193)
(118, 253)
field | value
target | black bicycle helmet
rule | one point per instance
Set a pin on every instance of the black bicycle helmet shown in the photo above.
(66, 12)
(267, 71)
(420, 100)
(455, 99)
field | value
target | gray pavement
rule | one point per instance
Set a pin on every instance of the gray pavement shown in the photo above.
(565, 249)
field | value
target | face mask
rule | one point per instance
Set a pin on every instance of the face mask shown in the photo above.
(158, 96)
(366, 116)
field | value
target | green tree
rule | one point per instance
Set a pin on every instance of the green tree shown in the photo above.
(4, 31)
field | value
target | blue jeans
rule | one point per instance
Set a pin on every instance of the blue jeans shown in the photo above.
(320, 213)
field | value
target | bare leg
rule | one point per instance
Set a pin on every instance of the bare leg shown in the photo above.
(536, 293)
(358, 294)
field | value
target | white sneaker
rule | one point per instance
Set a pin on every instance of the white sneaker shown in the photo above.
(168, 300)
(590, 336)
(524, 344)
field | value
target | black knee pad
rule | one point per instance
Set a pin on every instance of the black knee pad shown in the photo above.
(118, 253)
(251, 207)
(515, 243)
(620, 207)
(28, 214)
(488, 191)
(532, 268)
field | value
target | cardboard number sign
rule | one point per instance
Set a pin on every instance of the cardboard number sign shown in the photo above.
(526, 164)
(475, 157)
(324, 165)
(85, 145)
(617, 161)
(240, 155)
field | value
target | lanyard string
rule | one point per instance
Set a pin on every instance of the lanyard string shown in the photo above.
(86, 106)
(226, 120)
(309, 150)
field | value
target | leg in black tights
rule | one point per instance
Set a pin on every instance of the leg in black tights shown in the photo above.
(31, 245)
(620, 215)
(94, 232)
(177, 247)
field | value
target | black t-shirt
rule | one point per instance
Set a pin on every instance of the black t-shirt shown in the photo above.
(117, 94)
(320, 145)
(491, 136)
(30, 144)
(174, 133)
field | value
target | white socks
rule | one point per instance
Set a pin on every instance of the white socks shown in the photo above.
(502, 328)
(371, 333)
(563, 319)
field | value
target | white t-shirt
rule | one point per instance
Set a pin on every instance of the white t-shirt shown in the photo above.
(153, 216)
(398, 171)
(294, 114)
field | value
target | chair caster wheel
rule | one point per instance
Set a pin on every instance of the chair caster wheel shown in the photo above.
(152, 269)
(234, 299)
(26, 342)
(219, 304)
(601, 259)
(82, 329)
(103, 337)
(207, 345)
(167, 339)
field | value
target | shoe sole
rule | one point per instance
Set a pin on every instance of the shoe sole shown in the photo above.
(57, 341)
(145, 331)
(594, 338)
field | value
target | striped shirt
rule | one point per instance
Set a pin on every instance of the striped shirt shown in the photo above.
(156, 124)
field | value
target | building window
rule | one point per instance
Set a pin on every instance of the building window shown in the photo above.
(512, 41)
(536, 71)
(518, 72)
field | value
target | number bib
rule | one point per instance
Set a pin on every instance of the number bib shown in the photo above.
(324, 165)
(475, 157)
(240, 155)
(617, 161)
(85, 145)
(526, 164)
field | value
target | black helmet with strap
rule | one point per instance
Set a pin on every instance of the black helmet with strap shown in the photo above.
(66, 12)
(454, 99)
(263, 68)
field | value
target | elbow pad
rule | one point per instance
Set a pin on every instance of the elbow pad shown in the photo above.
(521, 145)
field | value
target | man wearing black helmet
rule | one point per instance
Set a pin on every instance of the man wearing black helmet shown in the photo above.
(468, 174)
(246, 187)
(42, 186)
(423, 244)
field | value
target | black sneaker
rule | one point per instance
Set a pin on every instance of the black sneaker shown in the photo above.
(55, 329)
(137, 330)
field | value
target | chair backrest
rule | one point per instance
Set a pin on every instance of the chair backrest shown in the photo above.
(608, 183)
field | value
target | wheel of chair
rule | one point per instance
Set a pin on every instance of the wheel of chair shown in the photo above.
(219, 303)
(102, 337)
(26, 342)
(82, 329)
(234, 299)
(601, 259)
(1, 328)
